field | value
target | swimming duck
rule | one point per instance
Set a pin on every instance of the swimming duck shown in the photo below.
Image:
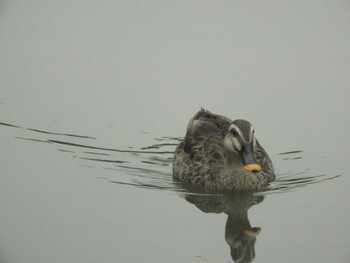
(218, 154)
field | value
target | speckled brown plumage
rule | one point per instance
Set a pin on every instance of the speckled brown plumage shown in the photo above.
(202, 161)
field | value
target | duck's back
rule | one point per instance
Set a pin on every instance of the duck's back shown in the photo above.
(200, 155)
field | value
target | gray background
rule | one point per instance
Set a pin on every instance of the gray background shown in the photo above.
(130, 74)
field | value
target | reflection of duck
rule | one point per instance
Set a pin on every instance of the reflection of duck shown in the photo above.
(219, 154)
(239, 234)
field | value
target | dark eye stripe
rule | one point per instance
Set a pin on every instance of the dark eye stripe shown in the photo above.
(234, 133)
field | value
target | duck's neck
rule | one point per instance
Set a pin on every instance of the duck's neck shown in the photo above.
(233, 162)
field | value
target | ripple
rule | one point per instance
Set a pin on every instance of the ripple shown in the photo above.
(46, 132)
(290, 152)
(291, 182)
(150, 166)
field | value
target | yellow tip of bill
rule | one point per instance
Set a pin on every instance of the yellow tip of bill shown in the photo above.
(252, 232)
(252, 167)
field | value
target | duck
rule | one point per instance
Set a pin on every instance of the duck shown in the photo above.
(221, 155)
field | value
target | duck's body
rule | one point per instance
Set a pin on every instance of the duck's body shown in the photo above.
(219, 154)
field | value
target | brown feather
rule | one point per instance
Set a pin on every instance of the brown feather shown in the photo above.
(202, 161)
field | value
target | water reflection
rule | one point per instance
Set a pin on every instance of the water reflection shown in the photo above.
(239, 234)
(150, 167)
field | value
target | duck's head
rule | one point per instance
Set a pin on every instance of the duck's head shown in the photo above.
(240, 140)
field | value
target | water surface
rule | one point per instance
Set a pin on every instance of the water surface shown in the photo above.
(95, 96)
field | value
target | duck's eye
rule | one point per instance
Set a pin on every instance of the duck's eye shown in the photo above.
(234, 133)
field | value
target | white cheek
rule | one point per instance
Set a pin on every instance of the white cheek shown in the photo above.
(228, 144)
(236, 144)
(232, 144)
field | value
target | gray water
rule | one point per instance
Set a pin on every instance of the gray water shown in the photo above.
(95, 95)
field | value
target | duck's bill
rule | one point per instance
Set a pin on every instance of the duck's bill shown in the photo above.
(248, 159)
(253, 232)
(254, 167)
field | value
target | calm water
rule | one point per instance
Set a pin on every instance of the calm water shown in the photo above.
(95, 95)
